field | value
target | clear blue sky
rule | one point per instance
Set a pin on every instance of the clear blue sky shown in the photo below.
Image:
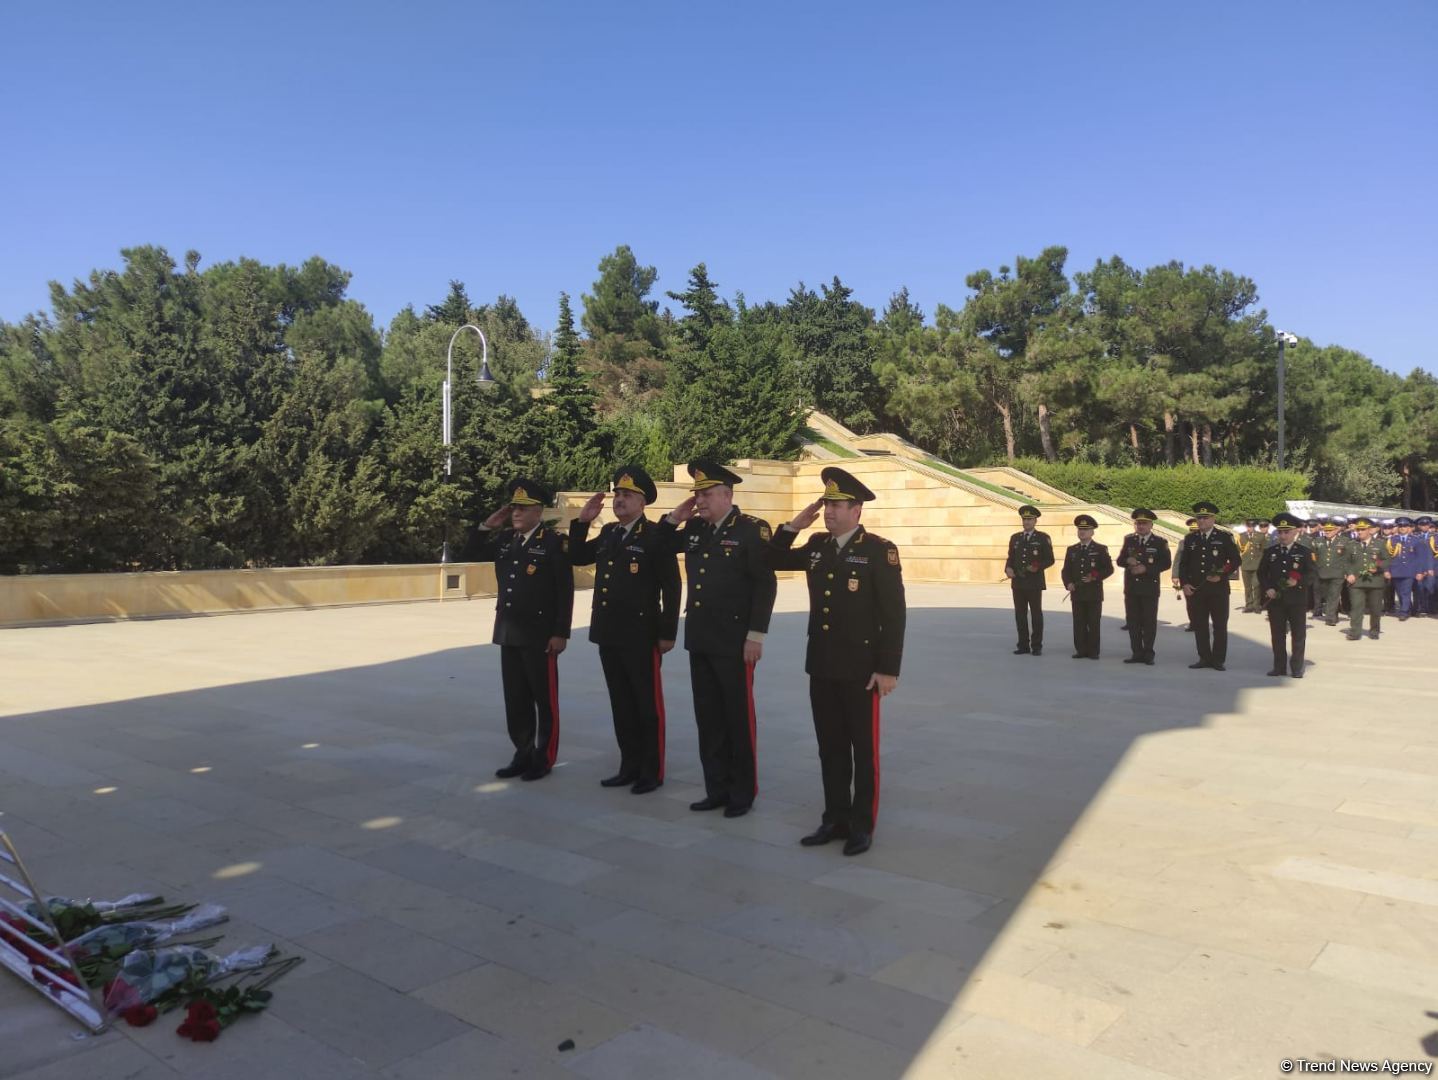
(512, 144)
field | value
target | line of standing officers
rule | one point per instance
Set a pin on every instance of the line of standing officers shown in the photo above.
(855, 636)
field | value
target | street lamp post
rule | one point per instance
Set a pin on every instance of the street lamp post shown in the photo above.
(486, 380)
(1284, 338)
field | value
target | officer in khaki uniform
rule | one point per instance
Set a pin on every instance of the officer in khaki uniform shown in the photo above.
(1144, 557)
(635, 621)
(1087, 565)
(1251, 546)
(1288, 569)
(1030, 553)
(1366, 576)
(1330, 555)
(730, 599)
(532, 614)
(856, 643)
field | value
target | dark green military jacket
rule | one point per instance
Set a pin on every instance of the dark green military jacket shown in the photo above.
(1367, 562)
(1331, 555)
(1251, 546)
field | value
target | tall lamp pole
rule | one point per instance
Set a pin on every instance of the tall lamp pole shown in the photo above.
(1284, 338)
(486, 380)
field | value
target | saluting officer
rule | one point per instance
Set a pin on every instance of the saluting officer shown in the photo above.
(1030, 553)
(856, 642)
(532, 613)
(1289, 567)
(1330, 556)
(730, 599)
(1144, 557)
(1208, 557)
(1367, 575)
(635, 621)
(1086, 565)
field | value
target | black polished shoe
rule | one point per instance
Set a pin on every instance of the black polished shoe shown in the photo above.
(1218, 667)
(735, 811)
(1080, 656)
(1278, 671)
(1297, 671)
(1373, 634)
(858, 843)
(1123, 629)
(1093, 656)
(1036, 651)
(510, 771)
(1022, 650)
(644, 787)
(1133, 660)
(1352, 635)
(823, 834)
(618, 780)
(709, 803)
(1148, 659)
(1200, 664)
(539, 772)
(1188, 628)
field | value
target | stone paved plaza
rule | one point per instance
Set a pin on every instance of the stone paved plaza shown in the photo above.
(1080, 869)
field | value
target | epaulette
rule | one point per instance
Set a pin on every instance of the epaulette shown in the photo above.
(763, 526)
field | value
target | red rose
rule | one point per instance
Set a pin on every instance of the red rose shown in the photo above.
(1033, 566)
(140, 1015)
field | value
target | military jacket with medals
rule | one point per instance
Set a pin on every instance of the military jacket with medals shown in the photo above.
(1151, 552)
(1251, 547)
(1288, 573)
(731, 584)
(1330, 555)
(636, 583)
(1367, 562)
(856, 602)
(1030, 554)
(1085, 568)
(535, 599)
(1205, 563)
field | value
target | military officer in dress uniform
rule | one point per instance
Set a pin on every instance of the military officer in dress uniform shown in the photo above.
(1427, 580)
(532, 614)
(1288, 568)
(1208, 558)
(1251, 546)
(635, 621)
(1366, 577)
(1144, 557)
(1178, 592)
(856, 642)
(1086, 565)
(730, 599)
(1030, 553)
(1405, 561)
(1330, 553)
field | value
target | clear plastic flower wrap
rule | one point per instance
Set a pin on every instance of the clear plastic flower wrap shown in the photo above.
(99, 952)
(149, 976)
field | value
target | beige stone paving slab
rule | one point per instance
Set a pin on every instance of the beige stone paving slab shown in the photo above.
(475, 1054)
(1398, 814)
(649, 1051)
(526, 1011)
(814, 1048)
(1360, 879)
(655, 892)
(972, 1046)
(389, 953)
(255, 1046)
(884, 886)
(110, 1058)
(1048, 1010)
(1415, 975)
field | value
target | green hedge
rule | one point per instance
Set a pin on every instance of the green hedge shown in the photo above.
(1239, 491)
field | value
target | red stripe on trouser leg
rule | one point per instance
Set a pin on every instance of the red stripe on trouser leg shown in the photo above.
(753, 726)
(875, 725)
(552, 750)
(659, 709)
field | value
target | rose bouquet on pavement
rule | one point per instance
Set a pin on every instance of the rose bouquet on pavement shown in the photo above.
(99, 953)
(76, 917)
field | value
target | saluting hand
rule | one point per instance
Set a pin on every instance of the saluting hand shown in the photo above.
(884, 684)
(683, 512)
(807, 516)
(590, 510)
(499, 519)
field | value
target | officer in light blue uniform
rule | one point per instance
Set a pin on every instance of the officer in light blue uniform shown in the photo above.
(1405, 563)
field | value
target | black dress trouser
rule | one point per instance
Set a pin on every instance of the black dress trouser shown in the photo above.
(1287, 619)
(1029, 613)
(724, 713)
(846, 723)
(1209, 607)
(1088, 614)
(636, 699)
(531, 704)
(1140, 611)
